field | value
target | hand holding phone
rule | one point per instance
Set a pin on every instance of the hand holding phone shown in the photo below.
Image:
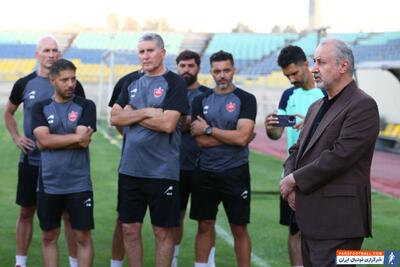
(286, 120)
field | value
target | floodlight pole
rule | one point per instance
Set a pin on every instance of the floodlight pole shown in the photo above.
(110, 84)
(101, 85)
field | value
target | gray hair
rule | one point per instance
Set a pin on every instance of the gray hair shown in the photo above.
(343, 52)
(153, 37)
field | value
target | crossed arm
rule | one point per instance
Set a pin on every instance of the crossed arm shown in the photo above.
(241, 136)
(46, 140)
(152, 118)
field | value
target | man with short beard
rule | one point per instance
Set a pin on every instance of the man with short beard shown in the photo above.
(327, 174)
(29, 90)
(63, 126)
(222, 123)
(294, 101)
(188, 67)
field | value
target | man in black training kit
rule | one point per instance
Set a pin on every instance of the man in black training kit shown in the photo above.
(149, 108)
(63, 126)
(188, 67)
(223, 124)
(29, 90)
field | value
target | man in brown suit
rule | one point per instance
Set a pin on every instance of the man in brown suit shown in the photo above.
(327, 173)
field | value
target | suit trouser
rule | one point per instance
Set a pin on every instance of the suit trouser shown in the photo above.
(322, 252)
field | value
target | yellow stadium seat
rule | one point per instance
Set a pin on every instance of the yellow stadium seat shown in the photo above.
(13, 69)
(396, 131)
(388, 130)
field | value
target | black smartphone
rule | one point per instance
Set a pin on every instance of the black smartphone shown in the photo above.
(286, 120)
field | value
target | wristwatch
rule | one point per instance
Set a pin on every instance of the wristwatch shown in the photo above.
(208, 130)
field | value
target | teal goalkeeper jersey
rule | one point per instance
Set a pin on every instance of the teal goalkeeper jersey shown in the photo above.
(297, 101)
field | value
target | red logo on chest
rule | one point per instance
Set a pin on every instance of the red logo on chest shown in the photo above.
(230, 107)
(72, 116)
(157, 92)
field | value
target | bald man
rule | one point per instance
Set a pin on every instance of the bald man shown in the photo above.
(29, 90)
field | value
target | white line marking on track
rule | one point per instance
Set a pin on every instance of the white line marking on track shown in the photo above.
(227, 237)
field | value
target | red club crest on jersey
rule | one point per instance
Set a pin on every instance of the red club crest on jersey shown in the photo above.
(230, 107)
(72, 116)
(157, 92)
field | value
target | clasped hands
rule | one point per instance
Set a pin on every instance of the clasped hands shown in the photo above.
(287, 186)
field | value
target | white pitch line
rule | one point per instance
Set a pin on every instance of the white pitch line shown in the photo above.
(226, 236)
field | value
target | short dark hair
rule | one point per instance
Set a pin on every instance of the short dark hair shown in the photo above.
(291, 54)
(188, 54)
(221, 56)
(60, 65)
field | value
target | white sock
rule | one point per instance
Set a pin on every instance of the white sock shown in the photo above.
(176, 250)
(21, 260)
(175, 257)
(116, 263)
(73, 262)
(211, 258)
(197, 264)
(174, 262)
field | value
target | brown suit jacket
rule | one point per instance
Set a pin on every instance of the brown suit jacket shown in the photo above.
(333, 193)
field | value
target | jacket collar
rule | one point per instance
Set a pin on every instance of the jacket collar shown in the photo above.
(337, 107)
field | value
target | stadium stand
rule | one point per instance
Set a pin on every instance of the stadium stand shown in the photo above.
(21, 37)
(255, 56)
(197, 42)
(379, 47)
(12, 69)
(94, 48)
(247, 48)
(366, 47)
(17, 51)
(389, 138)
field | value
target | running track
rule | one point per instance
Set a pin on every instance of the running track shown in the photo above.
(385, 171)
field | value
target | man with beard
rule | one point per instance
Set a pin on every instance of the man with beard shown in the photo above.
(222, 123)
(29, 90)
(188, 67)
(63, 126)
(327, 174)
(294, 101)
